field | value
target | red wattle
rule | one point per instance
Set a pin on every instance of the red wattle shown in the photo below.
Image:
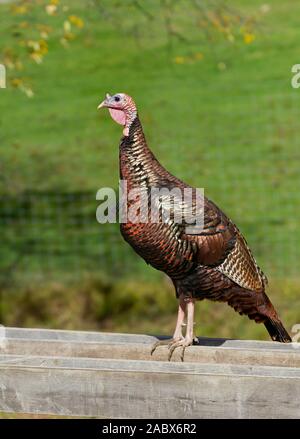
(118, 116)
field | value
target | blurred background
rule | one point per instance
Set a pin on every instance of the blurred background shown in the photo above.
(212, 81)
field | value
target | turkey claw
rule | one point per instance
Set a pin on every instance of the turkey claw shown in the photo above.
(167, 341)
(184, 343)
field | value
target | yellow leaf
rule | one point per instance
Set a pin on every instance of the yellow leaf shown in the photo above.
(199, 56)
(67, 26)
(179, 60)
(51, 9)
(34, 45)
(19, 9)
(69, 36)
(43, 47)
(28, 91)
(248, 38)
(77, 21)
(44, 30)
(44, 35)
(16, 82)
(36, 57)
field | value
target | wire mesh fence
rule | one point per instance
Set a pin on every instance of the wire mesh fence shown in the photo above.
(51, 234)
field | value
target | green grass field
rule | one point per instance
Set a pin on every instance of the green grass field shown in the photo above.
(226, 121)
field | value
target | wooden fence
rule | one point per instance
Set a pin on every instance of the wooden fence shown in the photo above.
(105, 375)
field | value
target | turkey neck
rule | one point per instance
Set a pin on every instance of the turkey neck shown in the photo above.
(138, 164)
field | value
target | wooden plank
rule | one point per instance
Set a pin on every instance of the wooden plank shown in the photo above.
(141, 389)
(138, 347)
(118, 338)
(73, 373)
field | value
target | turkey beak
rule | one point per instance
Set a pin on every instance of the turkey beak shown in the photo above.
(105, 103)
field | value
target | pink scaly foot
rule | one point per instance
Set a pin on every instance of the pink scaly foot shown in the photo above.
(177, 336)
(189, 336)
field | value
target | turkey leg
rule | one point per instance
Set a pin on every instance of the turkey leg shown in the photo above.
(177, 336)
(189, 335)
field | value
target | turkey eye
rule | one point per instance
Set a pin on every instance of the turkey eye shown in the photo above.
(117, 98)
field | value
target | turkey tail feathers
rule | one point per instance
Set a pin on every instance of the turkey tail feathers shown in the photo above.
(277, 331)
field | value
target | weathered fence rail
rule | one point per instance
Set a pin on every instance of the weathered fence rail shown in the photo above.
(112, 375)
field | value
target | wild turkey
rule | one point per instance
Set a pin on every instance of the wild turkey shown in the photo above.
(214, 264)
